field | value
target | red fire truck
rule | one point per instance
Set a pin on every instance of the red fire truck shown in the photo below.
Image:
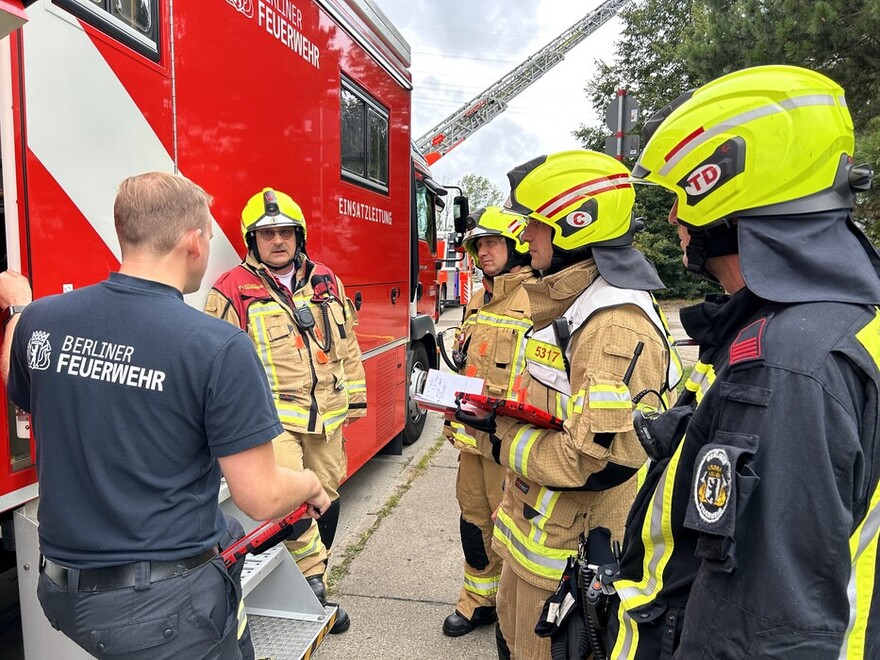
(458, 276)
(311, 97)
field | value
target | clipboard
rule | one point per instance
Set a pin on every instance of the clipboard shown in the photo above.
(522, 411)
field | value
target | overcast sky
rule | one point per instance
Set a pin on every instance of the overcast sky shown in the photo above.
(461, 47)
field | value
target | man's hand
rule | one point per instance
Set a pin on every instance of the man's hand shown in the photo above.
(14, 289)
(317, 505)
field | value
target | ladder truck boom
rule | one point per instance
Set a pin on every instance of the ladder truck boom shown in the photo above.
(492, 101)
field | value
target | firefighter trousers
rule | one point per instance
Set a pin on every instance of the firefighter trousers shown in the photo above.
(325, 456)
(519, 605)
(478, 488)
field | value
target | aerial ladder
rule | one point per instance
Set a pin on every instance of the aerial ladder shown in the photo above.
(491, 102)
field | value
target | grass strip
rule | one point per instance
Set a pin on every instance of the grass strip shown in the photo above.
(351, 551)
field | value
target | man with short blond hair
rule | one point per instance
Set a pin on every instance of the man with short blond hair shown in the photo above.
(136, 399)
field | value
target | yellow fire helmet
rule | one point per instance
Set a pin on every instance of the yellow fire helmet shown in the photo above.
(768, 140)
(584, 195)
(494, 221)
(271, 208)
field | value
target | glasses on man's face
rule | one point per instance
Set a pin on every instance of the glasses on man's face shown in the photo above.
(269, 234)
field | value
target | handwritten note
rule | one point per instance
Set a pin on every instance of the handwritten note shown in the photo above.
(440, 387)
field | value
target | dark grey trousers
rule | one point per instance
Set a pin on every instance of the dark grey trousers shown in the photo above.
(193, 615)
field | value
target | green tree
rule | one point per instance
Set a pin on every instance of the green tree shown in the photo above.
(669, 46)
(480, 191)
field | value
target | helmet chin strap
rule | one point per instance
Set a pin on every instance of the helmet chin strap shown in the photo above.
(708, 243)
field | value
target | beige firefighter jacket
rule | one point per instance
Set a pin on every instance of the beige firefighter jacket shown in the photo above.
(596, 456)
(494, 335)
(315, 390)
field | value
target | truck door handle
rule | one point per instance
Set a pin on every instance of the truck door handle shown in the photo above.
(395, 294)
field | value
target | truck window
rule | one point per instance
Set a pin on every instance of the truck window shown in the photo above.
(427, 224)
(364, 131)
(133, 22)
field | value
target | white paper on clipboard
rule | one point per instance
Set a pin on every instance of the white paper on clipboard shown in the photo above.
(440, 387)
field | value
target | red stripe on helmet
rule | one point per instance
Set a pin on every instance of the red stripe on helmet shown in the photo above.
(611, 178)
(681, 144)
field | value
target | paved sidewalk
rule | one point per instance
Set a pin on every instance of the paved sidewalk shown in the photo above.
(406, 579)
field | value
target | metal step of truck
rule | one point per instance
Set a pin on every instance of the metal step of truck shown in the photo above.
(286, 619)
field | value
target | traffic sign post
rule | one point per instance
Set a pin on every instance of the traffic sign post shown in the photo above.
(621, 116)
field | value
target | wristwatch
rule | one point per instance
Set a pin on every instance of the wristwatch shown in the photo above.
(11, 311)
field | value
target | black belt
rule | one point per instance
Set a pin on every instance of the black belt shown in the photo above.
(118, 577)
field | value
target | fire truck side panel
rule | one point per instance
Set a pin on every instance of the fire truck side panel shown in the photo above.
(248, 102)
(253, 112)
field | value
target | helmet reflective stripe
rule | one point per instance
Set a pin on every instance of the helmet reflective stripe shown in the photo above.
(279, 220)
(577, 193)
(700, 136)
(585, 196)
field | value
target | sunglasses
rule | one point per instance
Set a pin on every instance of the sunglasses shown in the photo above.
(269, 234)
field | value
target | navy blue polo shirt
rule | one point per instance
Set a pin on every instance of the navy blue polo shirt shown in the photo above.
(133, 395)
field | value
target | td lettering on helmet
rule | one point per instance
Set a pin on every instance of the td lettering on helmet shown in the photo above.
(725, 163)
(703, 179)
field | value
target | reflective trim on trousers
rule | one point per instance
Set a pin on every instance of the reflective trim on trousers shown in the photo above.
(313, 546)
(482, 586)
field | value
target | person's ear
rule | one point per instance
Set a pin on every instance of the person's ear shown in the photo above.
(192, 240)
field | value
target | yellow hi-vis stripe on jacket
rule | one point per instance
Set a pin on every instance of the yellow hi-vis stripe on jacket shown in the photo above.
(522, 444)
(701, 378)
(864, 542)
(242, 619)
(658, 542)
(520, 327)
(481, 585)
(547, 367)
(538, 559)
(545, 505)
(459, 433)
(610, 397)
